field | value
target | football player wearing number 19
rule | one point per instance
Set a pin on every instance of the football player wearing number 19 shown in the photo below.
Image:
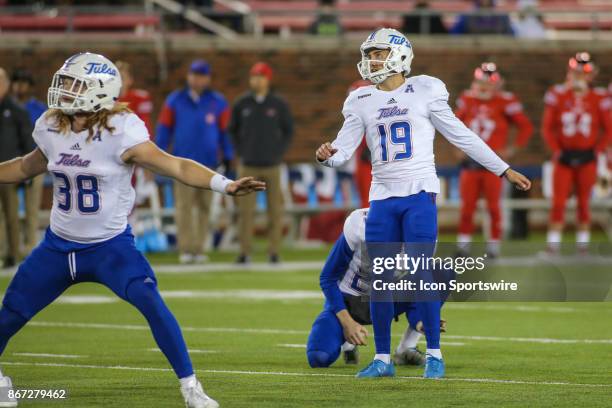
(90, 144)
(399, 115)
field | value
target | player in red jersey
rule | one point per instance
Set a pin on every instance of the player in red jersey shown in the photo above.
(138, 100)
(576, 127)
(489, 111)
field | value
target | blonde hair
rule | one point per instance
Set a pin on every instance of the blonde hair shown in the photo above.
(94, 120)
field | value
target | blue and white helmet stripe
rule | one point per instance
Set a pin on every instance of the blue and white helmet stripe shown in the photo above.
(398, 60)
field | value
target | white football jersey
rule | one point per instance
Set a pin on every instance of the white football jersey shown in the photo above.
(400, 126)
(92, 186)
(355, 281)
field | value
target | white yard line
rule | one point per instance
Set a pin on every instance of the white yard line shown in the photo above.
(191, 351)
(301, 332)
(49, 355)
(232, 267)
(291, 345)
(294, 374)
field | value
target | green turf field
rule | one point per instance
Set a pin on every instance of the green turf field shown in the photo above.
(247, 331)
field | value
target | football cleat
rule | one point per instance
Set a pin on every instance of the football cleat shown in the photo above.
(6, 385)
(351, 356)
(195, 397)
(200, 259)
(185, 258)
(243, 260)
(377, 368)
(411, 356)
(434, 367)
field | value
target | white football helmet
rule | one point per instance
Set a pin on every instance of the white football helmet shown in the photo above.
(85, 83)
(399, 58)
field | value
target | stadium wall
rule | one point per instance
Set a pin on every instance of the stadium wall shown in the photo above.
(314, 74)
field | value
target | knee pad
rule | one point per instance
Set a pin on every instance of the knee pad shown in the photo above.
(143, 295)
(319, 359)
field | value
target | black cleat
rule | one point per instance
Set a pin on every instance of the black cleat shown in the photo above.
(243, 259)
(351, 357)
(274, 259)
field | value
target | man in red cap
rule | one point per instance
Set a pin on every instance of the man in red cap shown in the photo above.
(576, 127)
(489, 111)
(261, 128)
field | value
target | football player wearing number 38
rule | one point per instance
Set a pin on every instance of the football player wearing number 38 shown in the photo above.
(90, 144)
(399, 115)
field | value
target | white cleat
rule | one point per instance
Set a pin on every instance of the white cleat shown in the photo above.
(200, 259)
(6, 386)
(185, 258)
(195, 397)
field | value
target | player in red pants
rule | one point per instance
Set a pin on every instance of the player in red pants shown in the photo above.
(576, 127)
(489, 112)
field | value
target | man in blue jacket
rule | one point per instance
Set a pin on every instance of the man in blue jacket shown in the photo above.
(192, 124)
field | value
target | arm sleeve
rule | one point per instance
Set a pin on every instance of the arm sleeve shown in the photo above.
(165, 126)
(606, 118)
(349, 137)
(514, 111)
(445, 121)
(134, 133)
(548, 122)
(335, 267)
(224, 140)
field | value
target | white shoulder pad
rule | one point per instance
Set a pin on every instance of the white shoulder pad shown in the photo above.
(360, 94)
(133, 132)
(354, 228)
(434, 88)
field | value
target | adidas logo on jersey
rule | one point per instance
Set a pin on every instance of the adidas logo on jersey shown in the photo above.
(75, 147)
(392, 100)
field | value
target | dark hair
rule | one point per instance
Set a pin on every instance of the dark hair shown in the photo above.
(22, 75)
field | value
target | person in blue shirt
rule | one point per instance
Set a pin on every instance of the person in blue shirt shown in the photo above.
(192, 124)
(22, 83)
(339, 328)
(483, 20)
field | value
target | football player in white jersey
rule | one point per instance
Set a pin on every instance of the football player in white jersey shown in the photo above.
(90, 144)
(345, 283)
(399, 115)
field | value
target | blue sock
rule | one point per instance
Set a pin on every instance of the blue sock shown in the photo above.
(165, 328)
(413, 316)
(382, 316)
(430, 312)
(10, 323)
